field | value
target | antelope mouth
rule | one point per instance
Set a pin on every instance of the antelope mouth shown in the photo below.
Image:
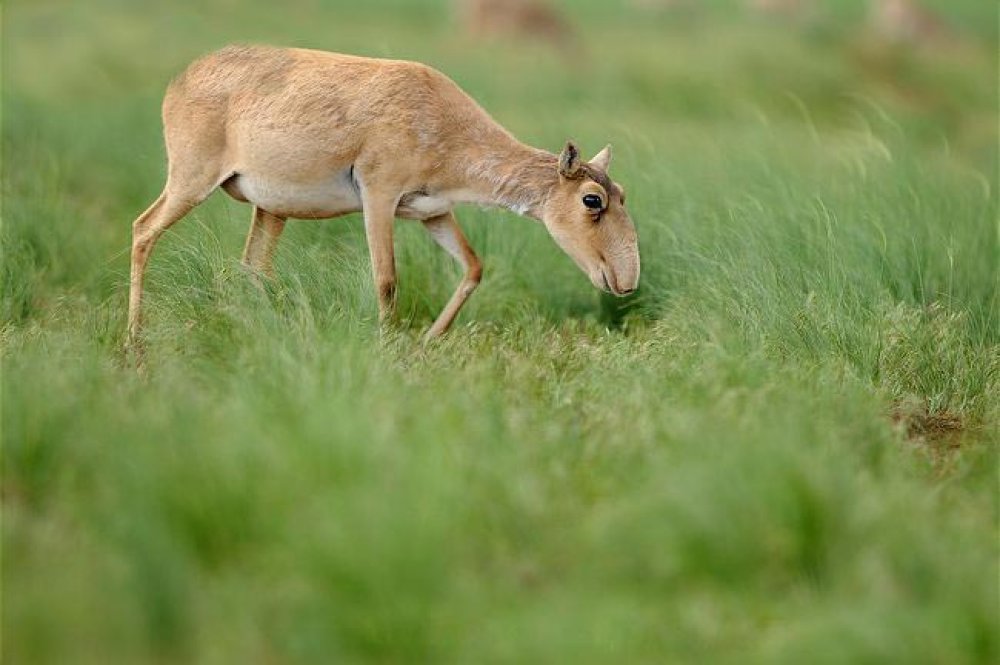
(606, 286)
(611, 285)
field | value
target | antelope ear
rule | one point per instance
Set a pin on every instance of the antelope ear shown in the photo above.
(569, 161)
(602, 160)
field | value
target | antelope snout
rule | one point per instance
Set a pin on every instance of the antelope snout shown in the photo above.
(620, 279)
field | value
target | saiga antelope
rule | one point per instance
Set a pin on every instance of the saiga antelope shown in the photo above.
(310, 134)
(534, 19)
(906, 21)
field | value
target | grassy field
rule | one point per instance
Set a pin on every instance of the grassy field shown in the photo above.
(782, 449)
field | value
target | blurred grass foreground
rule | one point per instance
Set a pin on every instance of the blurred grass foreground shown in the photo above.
(782, 449)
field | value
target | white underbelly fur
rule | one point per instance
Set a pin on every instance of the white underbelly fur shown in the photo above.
(325, 198)
(332, 197)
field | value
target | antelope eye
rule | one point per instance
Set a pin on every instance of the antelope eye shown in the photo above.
(593, 201)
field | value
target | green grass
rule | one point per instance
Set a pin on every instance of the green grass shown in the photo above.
(782, 449)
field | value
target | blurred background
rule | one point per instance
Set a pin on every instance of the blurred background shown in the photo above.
(659, 65)
(782, 449)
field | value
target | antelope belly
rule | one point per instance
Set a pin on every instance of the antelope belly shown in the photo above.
(333, 196)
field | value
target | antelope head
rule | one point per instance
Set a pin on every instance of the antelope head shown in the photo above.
(585, 214)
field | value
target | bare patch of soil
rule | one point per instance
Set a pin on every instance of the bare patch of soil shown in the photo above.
(940, 434)
(931, 427)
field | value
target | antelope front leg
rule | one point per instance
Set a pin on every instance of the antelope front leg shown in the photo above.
(379, 217)
(449, 236)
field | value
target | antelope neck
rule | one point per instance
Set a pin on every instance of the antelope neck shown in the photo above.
(513, 176)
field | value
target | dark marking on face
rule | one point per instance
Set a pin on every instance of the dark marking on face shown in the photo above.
(602, 179)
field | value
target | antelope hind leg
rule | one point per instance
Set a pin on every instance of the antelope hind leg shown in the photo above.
(265, 230)
(146, 230)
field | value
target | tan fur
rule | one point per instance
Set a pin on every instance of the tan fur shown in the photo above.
(311, 134)
(533, 19)
(907, 21)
